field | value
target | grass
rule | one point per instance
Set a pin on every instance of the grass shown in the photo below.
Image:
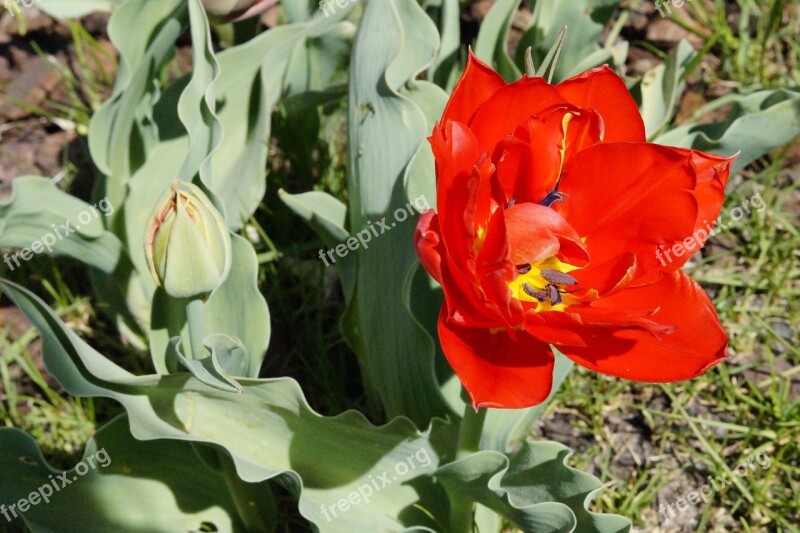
(651, 444)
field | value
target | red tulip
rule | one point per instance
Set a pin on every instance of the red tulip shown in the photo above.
(553, 220)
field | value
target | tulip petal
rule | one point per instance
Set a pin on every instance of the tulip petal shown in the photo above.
(190, 268)
(428, 244)
(604, 91)
(496, 369)
(712, 173)
(627, 197)
(677, 303)
(459, 288)
(478, 83)
(530, 162)
(511, 106)
(536, 232)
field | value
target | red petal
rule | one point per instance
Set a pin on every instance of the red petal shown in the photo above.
(627, 197)
(478, 83)
(600, 279)
(428, 244)
(456, 153)
(536, 232)
(712, 175)
(605, 92)
(495, 270)
(529, 163)
(498, 370)
(511, 106)
(678, 304)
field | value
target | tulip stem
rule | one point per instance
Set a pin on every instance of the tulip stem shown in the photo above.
(197, 327)
(469, 441)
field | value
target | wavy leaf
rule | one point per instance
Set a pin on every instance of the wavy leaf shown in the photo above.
(758, 122)
(39, 212)
(270, 433)
(533, 488)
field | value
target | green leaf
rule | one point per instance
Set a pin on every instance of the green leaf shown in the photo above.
(197, 104)
(75, 8)
(446, 14)
(253, 78)
(215, 370)
(122, 132)
(134, 486)
(238, 308)
(39, 212)
(758, 122)
(395, 42)
(270, 433)
(660, 89)
(326, 216)
(491, 46)
(533, 488)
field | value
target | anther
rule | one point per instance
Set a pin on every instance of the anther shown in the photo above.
(542, 296)
(558, 278)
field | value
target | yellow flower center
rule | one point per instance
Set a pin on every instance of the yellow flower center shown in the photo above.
(543, 282)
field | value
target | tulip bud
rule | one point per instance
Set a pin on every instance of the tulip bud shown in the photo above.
(233, 10)
(188, 244)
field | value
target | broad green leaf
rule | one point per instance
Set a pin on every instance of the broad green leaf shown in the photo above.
(395, 42)
(75, 8)
(269, 431)
(134, 486)
(446, 14)
(491, 46)
(122, 132)
(758, 122)
(238, 308)
(660, 89)
(197, 104)
(41, 218)
(227, 358)
(253, 78)
(533, 488)
(326, 216)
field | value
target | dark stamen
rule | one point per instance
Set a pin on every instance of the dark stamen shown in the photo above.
(553, 294)
(552, 198)
(558, 278)
(523, 269)
(511, 202)
(542, 296)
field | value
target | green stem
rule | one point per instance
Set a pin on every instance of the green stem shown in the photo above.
(197, 328)
(469, 441)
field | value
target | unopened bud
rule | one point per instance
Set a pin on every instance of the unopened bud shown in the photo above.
(188, 244)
